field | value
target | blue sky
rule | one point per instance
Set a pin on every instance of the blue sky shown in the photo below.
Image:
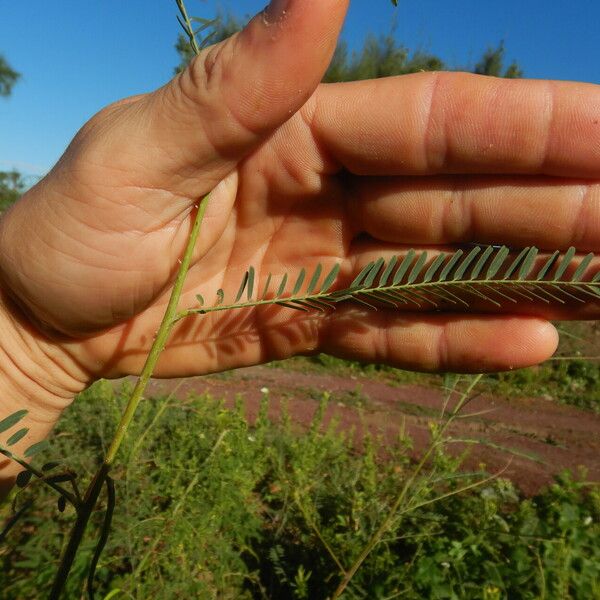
(76, 56)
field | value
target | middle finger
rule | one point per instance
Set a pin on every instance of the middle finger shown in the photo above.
(515, 211)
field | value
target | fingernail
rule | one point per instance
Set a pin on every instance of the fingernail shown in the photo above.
(276, 11)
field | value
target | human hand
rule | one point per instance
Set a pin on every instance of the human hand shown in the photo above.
(303, 174)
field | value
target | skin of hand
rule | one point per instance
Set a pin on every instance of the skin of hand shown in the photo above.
(300, 173)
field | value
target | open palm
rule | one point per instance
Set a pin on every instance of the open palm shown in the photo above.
(301, 174)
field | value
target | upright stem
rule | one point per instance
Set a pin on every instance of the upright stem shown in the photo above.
(160, 340)
(387, 522)
(85, 510)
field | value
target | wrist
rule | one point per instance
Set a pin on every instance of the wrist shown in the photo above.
(37, 375)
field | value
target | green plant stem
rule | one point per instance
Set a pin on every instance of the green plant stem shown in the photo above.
(188, 27)
(161, 338)
(84, 512)
(85, 509)
(313, 526)
(386, 523)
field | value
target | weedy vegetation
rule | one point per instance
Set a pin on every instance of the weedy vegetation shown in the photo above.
(211, 506)
(214, 507)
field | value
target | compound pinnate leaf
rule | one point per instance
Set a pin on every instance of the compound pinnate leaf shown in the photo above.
(492, 275)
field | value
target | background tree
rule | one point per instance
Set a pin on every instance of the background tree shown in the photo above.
(12, 187)
(8, 77)
(12, 184)
(492, 63)
(380, 56)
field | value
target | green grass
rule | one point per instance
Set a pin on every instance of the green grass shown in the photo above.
(574, 382)
(323, 364)
(211, 507)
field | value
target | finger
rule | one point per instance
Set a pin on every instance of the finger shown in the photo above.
(422, 342)
(233, 95)
(431, 123)
(469, 344)
(547, 213)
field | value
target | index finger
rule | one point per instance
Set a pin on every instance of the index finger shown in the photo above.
(435, 123)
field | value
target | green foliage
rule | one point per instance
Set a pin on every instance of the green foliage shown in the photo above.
(485, 275)
(286, 496)
(383, 56)
(212, 507)
(12, 187)
(575, 382)
(492, 63)
(380, 56)
(8, 77)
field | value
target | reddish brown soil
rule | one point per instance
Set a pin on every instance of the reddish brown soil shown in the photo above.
(542, 438)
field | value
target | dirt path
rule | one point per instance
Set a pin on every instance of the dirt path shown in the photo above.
(554, 436)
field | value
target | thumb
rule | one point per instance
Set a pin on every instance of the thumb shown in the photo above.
(235, 93)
